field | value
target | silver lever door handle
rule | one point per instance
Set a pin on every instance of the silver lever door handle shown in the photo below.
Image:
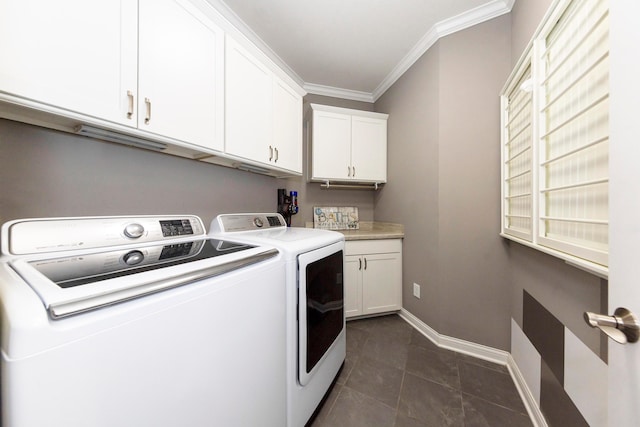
(622, 327)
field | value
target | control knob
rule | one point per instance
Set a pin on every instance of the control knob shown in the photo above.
(258, 222)
(133, 258)
(134, 230)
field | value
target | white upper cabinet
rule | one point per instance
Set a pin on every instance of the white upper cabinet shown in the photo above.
(263, 114)
(348, 145)
(248, 94)
(153, 65)
(155, 70)
(78, 55)
(180, 94)
(287, 126)
(331, 142)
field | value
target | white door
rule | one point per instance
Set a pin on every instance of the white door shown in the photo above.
(78, 55)
(248, 105)
(287, 126)
(369, 149)
(352, 285)
(624, 205)
(381, 283)
(181, 73)
(331, 145)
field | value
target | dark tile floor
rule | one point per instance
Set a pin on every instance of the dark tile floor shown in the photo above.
(395, 377)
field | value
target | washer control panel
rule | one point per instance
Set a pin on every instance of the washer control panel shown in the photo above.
(34, 236)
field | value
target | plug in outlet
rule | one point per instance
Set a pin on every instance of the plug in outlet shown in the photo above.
(416, 290)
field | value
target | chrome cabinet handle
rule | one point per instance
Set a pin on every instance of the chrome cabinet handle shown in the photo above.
(349, 170)
(354, 174)
(270, 153)
(365, 263)
(359, 263)
(622, 327)
(276, 150)
(130, 109)
(147, 118)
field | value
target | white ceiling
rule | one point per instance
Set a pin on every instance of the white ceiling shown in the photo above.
(353, 49)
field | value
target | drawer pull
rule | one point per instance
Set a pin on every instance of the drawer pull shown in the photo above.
(147, 118)
(130, 109)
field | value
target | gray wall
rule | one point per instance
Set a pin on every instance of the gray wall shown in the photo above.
(444, 167)
(562, 289)
(443, 186)
(526, 15)
(47, 173)
(411, 196)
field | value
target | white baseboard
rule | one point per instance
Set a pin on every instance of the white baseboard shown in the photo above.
(483, 352)
(529, 401)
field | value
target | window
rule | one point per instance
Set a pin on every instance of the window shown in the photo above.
(517, 156)
(555, 138)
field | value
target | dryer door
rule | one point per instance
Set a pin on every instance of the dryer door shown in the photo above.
(320, 306)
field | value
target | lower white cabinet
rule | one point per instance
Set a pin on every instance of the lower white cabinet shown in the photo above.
(373, 276)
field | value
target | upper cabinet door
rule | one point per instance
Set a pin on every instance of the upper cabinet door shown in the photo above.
(248, 105)
(181, 70)
(287, 126)
(331, 145)
(369, 149)
(79, 55)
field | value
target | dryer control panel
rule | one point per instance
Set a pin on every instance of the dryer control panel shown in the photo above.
(247, 222)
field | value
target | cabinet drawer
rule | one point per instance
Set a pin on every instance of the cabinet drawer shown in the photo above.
(382, 246)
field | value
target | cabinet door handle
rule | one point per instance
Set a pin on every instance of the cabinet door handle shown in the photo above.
(276, 150)
(130, 108)
(354, 174)
(270, 153)
(349, 170)
(359, 263)
(147, 117)
(365, 263)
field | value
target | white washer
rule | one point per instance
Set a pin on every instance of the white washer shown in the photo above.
(139, 321)
(316, 334)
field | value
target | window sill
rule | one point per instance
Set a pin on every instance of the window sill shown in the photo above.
(582, 264)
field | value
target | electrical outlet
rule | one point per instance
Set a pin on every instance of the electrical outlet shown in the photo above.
(416, 290)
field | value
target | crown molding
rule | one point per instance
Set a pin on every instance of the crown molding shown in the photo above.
(335, 92)
(485, 12)
(460, 22)
(240, 28)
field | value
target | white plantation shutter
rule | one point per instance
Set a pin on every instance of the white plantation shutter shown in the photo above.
(574, 136)
(517, 155)
(555, 138)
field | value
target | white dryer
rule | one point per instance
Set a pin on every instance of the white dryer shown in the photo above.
(316, 334)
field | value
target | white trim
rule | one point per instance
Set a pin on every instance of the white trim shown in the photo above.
(529, 401)
(349, 111)
(237, 27)
(483, 352)
(467, 19)
(335, 92)
(491, 9)
(469, 348)
(582, 264)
